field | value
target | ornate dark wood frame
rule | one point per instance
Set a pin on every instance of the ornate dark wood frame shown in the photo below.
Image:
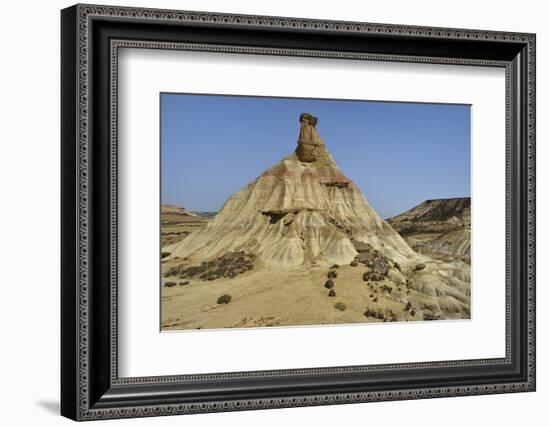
(91, 37)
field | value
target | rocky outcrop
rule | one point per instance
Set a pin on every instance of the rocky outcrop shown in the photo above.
(310, 145)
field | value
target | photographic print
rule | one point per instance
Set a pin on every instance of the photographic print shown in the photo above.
(302, 212)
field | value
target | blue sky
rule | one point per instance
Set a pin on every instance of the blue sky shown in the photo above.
(399, 154)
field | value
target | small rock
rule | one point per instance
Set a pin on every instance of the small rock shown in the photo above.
(381, 266)
(329, 284)
(340, 306)
(332, 274)
(164, 254)
(353, 263)
(184, 282)
(372, 276)
(334, 266)
(169, 284)
(361, 247)
(375, 299)
(332, 293)
(222, 300)
(419, 267)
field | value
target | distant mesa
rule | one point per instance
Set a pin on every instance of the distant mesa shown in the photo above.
(178, 222)
(439, 228)
(171, 209)
(302, 210)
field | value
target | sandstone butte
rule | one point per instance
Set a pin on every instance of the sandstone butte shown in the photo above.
(303, 210)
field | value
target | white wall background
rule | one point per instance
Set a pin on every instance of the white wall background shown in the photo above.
(29, 216)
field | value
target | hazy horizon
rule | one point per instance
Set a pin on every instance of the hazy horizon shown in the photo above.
(399, 154)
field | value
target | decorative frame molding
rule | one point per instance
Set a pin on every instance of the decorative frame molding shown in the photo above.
(91, 388)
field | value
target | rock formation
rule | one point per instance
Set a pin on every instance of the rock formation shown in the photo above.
(301, 210)
(439, 228)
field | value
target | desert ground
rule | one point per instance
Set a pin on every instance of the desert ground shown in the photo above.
(268, 296)
(300, 245)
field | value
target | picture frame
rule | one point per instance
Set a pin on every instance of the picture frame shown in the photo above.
(90, 384)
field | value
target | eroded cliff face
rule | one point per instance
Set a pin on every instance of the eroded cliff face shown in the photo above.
(439, 228)
(301, 210)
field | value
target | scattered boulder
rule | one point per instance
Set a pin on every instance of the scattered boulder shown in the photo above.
(375, 313)
(223, 300)
(184, 282)
(172, 272)
(419, 267)
(387, 288)
(169, 284)
(372, 276)
(329, 284)
(340, 306)
(381, 266)
(353, 263)
(164, 254)
(384, 315)
(364, 258)
(334, 266)
(332, 293)
(332, 274)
